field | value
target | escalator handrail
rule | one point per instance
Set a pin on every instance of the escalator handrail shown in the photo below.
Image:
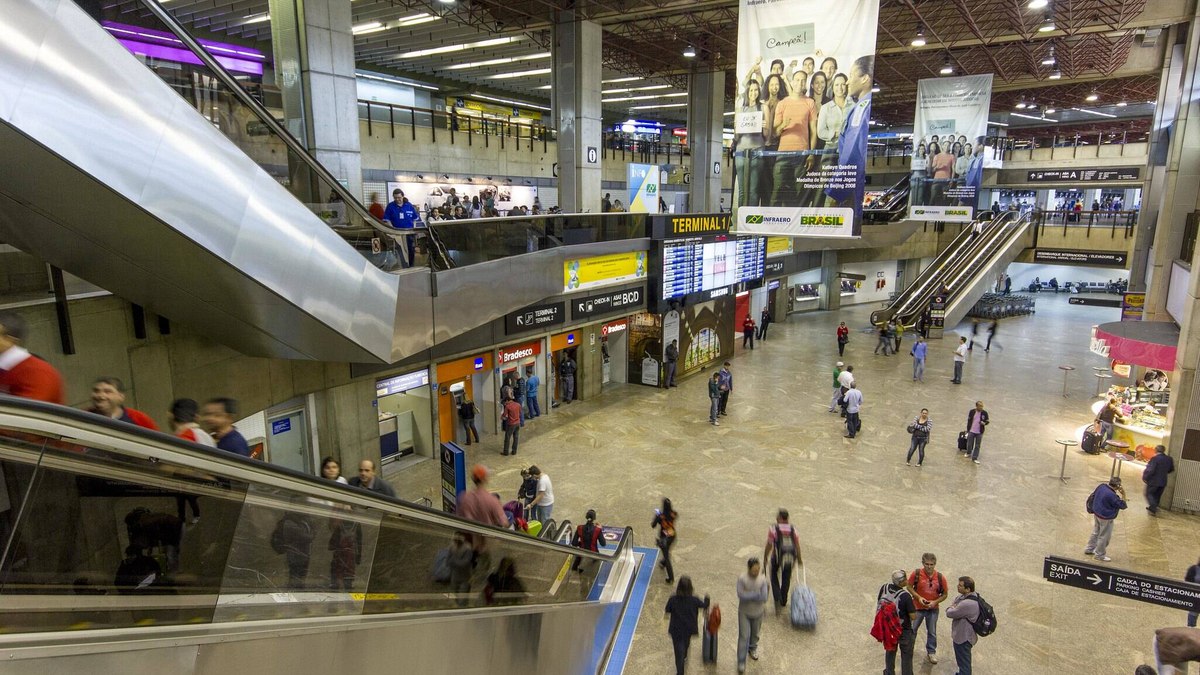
(60, 421)
(990, 248)
(976, 249)
(964, 252)
(264, 116)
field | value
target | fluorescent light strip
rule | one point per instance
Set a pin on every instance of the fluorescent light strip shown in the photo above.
(493, 42)
(499, 62)
(622, 79)
(370, 27)
(545, 86)
(729, 113)
(507, 101)
(395, 81)
(1031, 117)
(994, 124)
(521, 73)
(626, 90)
(1093, 112)
(646, 97)
(257, 19)
(417, 22)
(659, 106)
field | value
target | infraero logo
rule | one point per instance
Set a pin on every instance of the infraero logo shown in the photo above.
(754, 220)
(651, 189)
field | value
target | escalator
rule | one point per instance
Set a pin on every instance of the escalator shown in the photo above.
(890, 206)
(126, 550)
(962, 272)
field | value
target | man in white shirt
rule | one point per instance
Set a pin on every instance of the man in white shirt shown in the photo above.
(846, 379)
(543, 503)
(960, 357)
(854, 399)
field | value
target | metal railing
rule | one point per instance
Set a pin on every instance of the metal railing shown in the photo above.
(903, 147)
(1112, 222)
(391, 119)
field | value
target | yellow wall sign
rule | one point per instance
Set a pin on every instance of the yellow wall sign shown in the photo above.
(778, 246)
(603, 270)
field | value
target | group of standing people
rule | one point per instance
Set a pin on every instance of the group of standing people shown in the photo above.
(751, 330)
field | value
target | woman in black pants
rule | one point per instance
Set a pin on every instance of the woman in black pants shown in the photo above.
(664, 520)
(682, 609)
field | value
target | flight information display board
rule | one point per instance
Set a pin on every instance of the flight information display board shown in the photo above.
(696, 266)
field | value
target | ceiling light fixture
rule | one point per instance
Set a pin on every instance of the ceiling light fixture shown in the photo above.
(446, 2)
(947, 67)
(1050, 111)
(1049, 60)
(257, 18)
(646, 97)
(622, 79)
(1048, 24)
(368, 76)
(875, 89)
(417, 19)
(689, 52)
(626, 90)
(493, 42)
(372, 27)
(508, 101)
(1020, 105)
(1121, 104)
(520, 73)
(1097, 113)
(1092, 97)
(1038, 4)
(499, 62)
(658, 106)
(1033, 117)
(919, 40)
(1056, 75)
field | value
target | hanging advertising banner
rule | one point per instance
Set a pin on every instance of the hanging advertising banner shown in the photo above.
(642, 181)
(802, 114)
(949, 147)
(603, 270)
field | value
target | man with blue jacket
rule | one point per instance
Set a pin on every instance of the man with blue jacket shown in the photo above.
(402, 215)
(1155, 477)
(1107, 501)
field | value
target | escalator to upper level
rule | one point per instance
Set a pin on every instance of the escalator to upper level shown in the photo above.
(118, 540)
(890, 206)
(962, 272)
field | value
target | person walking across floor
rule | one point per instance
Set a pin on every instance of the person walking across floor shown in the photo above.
(885, 339)
(782, 553)
(670, 357)
(991, 331)
(898, 334)
(1155, 477)
(748, 332)
(960, 357)
(714, 399)
(843, 336)
(664, 520)
(977, 421)
(845, 380)
(963, 613)
(466, 415)
(511, 419)
(919, 349)
(929, 590)
(854, 401)
(543, 502)
(919, 429)
(1105, 504)
(682, 609)
(764, 320)
(726, 387)
(752, 592)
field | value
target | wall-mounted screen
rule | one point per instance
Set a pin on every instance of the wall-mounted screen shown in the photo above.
(696, 266)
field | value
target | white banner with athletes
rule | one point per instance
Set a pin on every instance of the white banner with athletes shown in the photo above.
(805, 70)
(949, 148)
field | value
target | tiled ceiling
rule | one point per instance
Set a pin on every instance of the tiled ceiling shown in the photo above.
(1091, 42)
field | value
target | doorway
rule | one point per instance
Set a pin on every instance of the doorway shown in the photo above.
(287, 440)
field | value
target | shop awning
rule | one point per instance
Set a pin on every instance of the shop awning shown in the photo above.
(1150, 344)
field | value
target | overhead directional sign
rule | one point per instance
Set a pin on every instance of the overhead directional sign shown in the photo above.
(594, 305)
(534, 317)
(1084, 175)
(1154, 590)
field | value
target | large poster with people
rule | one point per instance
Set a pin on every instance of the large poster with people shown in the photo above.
(805, 71)
(949, 147)
(438, 201)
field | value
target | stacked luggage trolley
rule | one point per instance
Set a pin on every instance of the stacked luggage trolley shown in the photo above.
(997, 306)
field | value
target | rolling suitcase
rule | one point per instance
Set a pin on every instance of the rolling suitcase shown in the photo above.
(708, 636)
(962, 441)
(803, 605)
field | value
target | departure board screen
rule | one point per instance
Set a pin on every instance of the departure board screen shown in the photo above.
(695, 266)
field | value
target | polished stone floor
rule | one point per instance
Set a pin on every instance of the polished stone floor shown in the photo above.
(860, 511)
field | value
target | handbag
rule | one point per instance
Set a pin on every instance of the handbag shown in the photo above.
(911, 428)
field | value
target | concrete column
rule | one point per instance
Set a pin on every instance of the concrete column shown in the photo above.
(1166, 112)
(706, 108)
(576, 58)
(830, 295)
(314, 60)
(1175, 185)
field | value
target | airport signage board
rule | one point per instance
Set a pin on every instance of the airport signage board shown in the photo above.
(1057, 256)
(1084, 175)
(1121, 583)
(534, 317)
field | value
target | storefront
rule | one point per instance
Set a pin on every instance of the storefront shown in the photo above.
(521, 361)
(405, 408)
(467, 379)
(804, 291)
(614, 349)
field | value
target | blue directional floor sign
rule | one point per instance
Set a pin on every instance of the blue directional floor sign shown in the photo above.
(1154, 590)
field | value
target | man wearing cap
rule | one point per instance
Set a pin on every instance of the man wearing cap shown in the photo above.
(897, 592)
(1107, 501)
(480, 505)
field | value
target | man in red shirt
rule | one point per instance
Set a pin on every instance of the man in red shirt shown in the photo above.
(511, 417)
(748, 332)
(108, 399)
(21, 373)
(929, 590)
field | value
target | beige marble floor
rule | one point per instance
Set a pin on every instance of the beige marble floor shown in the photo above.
(862, 512)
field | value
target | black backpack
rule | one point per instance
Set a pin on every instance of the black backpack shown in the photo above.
(984, 624)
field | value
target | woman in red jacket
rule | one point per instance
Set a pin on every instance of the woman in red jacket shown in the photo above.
(843, 336)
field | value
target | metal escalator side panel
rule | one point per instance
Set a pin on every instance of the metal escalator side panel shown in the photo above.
(99, 112)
